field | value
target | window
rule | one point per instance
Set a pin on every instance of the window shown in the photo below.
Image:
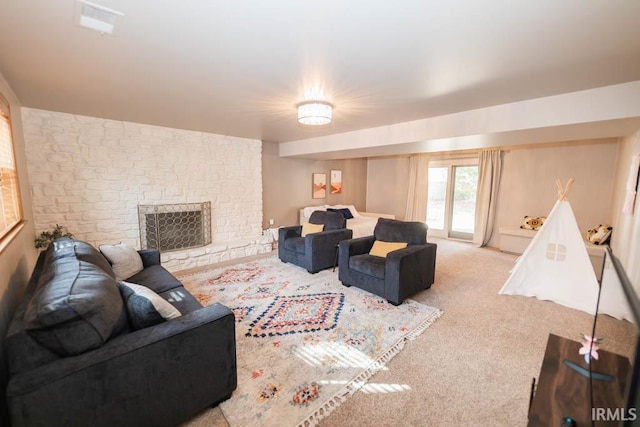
(451, 205)
(10, 208)
(556, 252)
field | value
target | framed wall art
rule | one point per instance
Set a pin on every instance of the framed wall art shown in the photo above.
(336, 182)
(319, 190)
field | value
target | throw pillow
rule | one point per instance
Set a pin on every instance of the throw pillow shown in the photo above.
(144, 307)
(124, 260)
(346, 213)
(382, 249)
(533, 222)
(600, 234)
(351, 208)
(308, 228)
(353, 211)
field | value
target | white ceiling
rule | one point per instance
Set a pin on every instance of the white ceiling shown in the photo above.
(239, 67)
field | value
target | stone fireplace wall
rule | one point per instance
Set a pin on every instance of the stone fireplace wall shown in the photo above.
(90, 174)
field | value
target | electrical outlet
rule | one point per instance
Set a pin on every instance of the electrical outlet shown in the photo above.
(271, 222)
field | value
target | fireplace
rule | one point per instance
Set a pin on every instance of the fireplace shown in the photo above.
(175, 226)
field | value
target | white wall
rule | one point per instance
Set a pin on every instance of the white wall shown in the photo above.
(528, 180)
(287, 184)
(388, 185)
(625, 239)
(90, 174)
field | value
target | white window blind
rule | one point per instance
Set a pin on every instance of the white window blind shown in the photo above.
(10, 208)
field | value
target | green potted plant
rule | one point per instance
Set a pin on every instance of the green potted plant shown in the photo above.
(46, 237)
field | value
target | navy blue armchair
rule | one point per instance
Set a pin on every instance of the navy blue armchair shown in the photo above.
(399, 275)
(315, 251)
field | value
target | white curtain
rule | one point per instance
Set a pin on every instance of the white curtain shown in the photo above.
(489, 167)
(417, 195)
(632, 185)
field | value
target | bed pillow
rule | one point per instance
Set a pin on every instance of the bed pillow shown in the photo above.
(381, 248)
(124, 259)
(144, 307)
(600, 234)
(345, 212)
(352, 209)
(308, 228)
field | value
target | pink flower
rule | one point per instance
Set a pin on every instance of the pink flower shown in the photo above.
(590, 344)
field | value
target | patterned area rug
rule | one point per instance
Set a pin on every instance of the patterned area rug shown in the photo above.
(304, 342)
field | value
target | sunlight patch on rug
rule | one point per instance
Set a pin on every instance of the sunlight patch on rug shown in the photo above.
(304, 342)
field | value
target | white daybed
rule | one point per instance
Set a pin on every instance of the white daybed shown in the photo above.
(362, 223)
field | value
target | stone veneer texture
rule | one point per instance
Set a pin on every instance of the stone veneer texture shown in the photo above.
(90, 174)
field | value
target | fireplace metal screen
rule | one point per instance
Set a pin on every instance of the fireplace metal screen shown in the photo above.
(174, 227)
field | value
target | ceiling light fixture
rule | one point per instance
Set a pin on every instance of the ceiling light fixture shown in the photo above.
(315, 113)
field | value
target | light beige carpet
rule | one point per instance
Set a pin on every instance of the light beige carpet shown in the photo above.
(475, 365)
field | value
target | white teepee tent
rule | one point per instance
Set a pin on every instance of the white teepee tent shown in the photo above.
(556, 266)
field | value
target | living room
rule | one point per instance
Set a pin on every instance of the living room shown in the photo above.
(90, 167)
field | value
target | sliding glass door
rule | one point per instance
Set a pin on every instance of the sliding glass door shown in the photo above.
(451, 204)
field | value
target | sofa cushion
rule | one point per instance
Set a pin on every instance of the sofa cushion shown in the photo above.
(181, 299)
(76, 307)
(368, 264)
(68, 247)
(295, 244)
(145, 307)
(124, 259)
(156, 278)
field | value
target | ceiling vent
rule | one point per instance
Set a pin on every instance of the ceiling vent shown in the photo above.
(96, 17)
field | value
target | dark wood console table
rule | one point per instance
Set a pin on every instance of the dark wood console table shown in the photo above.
(562, 392)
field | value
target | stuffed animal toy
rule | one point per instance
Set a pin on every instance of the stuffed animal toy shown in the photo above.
(533, 222)
(599, 235)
